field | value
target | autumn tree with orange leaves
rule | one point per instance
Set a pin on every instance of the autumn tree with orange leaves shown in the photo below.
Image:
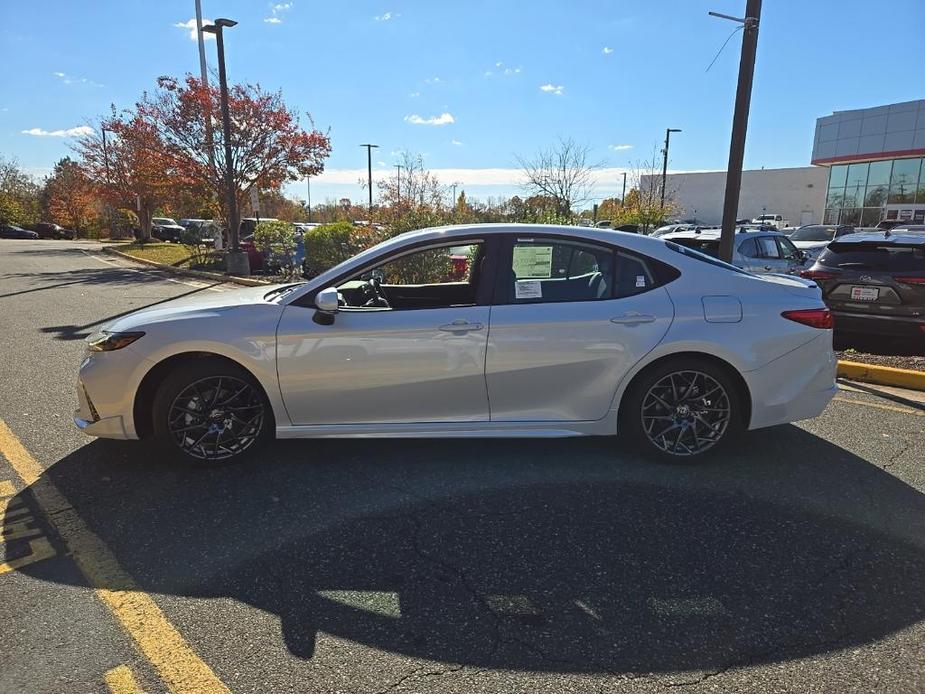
(269, 146)
(129, 169)
(70, 195)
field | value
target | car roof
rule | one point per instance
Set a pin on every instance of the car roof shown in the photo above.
(712, 234)
(899, 235)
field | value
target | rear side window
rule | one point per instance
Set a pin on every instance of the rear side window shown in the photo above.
(552, 270)
(749, 248)
(887, 257)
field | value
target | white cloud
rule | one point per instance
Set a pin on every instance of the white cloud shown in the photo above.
(556, 89)
(387, 16)
(456, 142)
(607, 50)
(414, 95)
(71, 79)
(443, 119)
(190, 25)
(273, 20)
(69, 132)
(605, 178)
(619, 148)
(502, 70)
(432, 80)
(275, 10)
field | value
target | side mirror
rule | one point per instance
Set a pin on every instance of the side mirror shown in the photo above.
(326, 303)
(326, 300)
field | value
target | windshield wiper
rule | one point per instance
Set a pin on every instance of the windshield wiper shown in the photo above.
(279, 291)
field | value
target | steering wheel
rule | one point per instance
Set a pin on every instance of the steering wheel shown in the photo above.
(376, 296)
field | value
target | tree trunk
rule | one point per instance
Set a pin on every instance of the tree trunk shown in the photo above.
(144, 219)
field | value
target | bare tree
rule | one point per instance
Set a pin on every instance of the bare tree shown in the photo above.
(645, 198)
(418, 186)
(563, 172)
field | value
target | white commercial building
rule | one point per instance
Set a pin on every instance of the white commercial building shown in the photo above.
(797, 194)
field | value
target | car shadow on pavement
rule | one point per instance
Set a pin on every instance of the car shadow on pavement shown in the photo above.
(555, 555)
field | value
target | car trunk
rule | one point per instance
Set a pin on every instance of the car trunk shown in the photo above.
(877, 278)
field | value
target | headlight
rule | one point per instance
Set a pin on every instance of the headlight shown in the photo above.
(105, 341)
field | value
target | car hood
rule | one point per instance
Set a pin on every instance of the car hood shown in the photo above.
(192, 306)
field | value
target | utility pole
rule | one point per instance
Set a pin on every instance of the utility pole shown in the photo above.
(105, 153)
(369, 170)
(236, 261)
(623, 196)
(204, 74)
(739, 123)
(453, 186)
(668, 132)
(398, 185)
(308, 183)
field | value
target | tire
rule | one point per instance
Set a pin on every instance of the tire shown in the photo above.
(209, 412)
(683, 410)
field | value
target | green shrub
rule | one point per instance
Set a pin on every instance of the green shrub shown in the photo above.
(330, 244)
(277, 241)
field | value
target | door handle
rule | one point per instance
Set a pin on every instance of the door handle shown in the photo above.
(768, 267)
(460, 326)
(633, 318)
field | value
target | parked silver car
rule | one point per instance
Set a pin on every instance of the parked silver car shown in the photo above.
(753, 250)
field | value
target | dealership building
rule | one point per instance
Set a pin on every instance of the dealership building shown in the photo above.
(867, 166)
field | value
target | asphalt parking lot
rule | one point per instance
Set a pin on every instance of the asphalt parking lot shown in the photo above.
(795, 561)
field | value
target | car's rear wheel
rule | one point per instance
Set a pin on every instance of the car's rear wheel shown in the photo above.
(211, 412)
(683, 409)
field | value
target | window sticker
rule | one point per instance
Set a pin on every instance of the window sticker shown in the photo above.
(528, 289)
(640, 280)
(532, 262)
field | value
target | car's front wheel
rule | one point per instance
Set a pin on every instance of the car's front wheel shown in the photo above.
(211, 412)
(683, 408)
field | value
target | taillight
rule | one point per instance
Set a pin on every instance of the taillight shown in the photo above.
(818, 275)
(813, 317)
(910, 280)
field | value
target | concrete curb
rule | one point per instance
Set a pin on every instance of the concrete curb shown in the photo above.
(201, 274)
(882, 375)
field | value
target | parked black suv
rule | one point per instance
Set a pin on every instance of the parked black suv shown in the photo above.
(874, 282)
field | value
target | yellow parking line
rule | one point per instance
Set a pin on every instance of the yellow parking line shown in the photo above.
(120, 680)
(878, 406)
(173, 658)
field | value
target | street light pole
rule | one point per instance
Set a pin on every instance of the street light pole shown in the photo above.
(623, 196)
(204, 74)
(668, 132)
(398, 185)
(369, 173)
(739, 125)
(236, 261)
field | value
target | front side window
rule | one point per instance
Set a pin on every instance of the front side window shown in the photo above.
(437, 277)
(552, 270)
(787, 250)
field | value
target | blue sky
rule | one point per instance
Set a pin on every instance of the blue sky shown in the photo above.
(470, 85)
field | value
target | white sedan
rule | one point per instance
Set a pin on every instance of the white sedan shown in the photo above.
(471, 331)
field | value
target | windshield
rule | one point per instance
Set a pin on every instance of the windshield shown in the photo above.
(890, 257)
(816, 232)
(164, 221)
(708, 246)
(698, 255)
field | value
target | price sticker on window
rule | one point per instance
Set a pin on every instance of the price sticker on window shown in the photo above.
(528, 289)
(533, 262)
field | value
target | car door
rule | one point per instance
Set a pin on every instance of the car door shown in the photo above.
(570, 318)
(420, 359)
(771, 259)
(790, 254)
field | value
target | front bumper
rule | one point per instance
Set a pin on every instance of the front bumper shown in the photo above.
(105, 394)
(798, 385)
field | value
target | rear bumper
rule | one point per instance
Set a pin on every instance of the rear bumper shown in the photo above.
(798, 385)
(900, 326)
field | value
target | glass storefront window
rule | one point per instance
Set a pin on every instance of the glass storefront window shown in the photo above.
(838, 175)
(854, 197)
(850, 215)
(857, 175)
(879, 173)
(836, 198)
(870, 216)
(831, 216)
(904, 180)
(876, 196)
